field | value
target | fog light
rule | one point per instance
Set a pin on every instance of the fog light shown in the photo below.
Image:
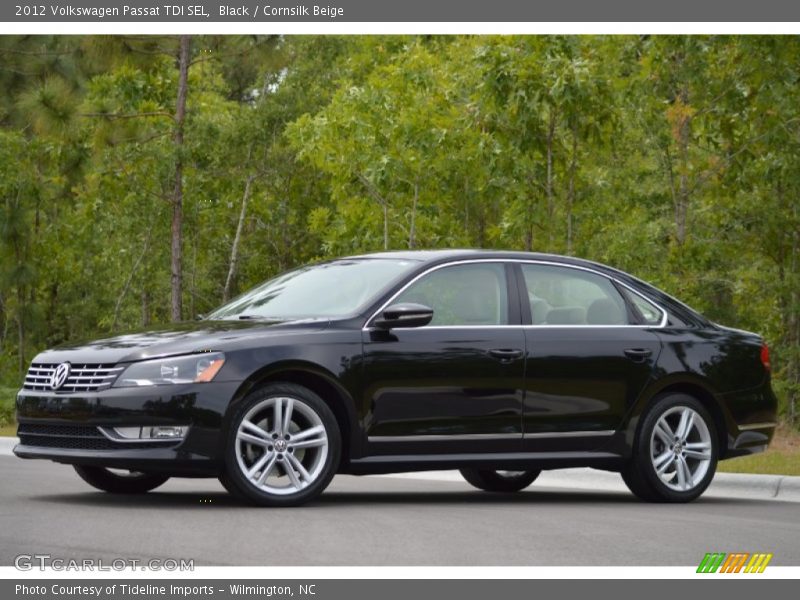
(164, 432)
(157, 432)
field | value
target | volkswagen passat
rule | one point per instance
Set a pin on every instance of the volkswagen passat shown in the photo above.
(494, 363)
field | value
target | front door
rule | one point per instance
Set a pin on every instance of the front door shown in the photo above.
(455, 385)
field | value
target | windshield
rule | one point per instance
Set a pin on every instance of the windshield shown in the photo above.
(333, 289)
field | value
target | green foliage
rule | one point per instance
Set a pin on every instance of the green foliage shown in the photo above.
(7, 399)
(676, 158)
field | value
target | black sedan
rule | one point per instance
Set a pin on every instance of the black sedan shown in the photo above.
(498, 364)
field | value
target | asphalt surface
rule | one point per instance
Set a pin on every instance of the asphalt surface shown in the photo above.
(46, 509)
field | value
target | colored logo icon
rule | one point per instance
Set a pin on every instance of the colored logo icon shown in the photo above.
(736, 562)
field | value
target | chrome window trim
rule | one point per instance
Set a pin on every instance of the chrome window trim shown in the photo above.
(661, 325)
(460, 437)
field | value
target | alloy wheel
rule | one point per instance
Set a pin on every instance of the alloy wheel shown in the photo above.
(281, 445)
(681, 448)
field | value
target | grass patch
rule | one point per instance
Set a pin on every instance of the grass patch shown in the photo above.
(8, 430)
(781, 458)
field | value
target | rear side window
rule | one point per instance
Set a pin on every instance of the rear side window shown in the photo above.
(565, 296)
(462, 295)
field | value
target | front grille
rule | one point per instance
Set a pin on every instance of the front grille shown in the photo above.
(82, 377)
(77, 437)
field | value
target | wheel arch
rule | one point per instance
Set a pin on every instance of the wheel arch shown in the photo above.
(697, 389)
(320, 381)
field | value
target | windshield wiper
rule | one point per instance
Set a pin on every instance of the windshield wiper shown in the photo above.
(258, 318)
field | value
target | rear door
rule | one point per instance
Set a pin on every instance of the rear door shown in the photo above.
(590, 353)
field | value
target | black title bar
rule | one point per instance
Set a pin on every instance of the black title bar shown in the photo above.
(463, 11)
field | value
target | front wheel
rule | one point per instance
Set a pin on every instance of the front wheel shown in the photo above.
(282, 447)
(499, 481)
(675, 453)
(118, 481)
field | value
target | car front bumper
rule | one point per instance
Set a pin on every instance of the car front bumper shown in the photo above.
(69, 428)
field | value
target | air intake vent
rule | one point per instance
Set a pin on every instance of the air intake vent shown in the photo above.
(77, 437)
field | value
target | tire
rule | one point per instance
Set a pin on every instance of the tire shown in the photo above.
(274, 461)
(499, 481)
(668, 463)
(119, 483)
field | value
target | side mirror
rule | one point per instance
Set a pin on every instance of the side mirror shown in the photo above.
(405, 314)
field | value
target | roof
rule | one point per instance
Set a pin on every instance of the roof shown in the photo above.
(467, 253)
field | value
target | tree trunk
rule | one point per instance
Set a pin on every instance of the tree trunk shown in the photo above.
(529, 238)
(21, 329)
(177, 194)
(551, 133)
(380, 199)
(683, 197)
(412, 231)
(226, 293)
(466, 208)
(4, 319)
(285, 255)
(573, 165)
(794, 325)
(21, 310)
(385, 226)
(132, 274)
(145, 307)
(481, 225)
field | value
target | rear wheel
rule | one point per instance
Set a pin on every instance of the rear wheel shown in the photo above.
(675, 453)
(118, 481)
(282, 447)
(499, 481)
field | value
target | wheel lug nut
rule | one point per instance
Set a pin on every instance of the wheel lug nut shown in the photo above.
(274, 436)
(269, 448)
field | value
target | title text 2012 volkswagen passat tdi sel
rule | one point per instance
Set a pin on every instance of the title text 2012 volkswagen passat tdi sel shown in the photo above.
(495, 363)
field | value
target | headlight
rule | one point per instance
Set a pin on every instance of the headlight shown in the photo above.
(194, 368)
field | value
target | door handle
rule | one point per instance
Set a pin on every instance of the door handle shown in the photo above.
(638, 354)
(505, 354)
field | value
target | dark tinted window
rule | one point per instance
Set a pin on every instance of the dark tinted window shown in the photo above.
(565, 296)
(650, 313)
(468, 294)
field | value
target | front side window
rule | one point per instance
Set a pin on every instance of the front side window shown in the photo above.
(462, 295)
(564, 296)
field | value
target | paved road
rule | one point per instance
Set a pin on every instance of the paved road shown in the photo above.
(45, 508)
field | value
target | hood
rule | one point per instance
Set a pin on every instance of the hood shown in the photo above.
(172, 339)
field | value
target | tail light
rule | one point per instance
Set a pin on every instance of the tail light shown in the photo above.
(765, 357)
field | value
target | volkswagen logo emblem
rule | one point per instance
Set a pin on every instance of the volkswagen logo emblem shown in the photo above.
(60, 375)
